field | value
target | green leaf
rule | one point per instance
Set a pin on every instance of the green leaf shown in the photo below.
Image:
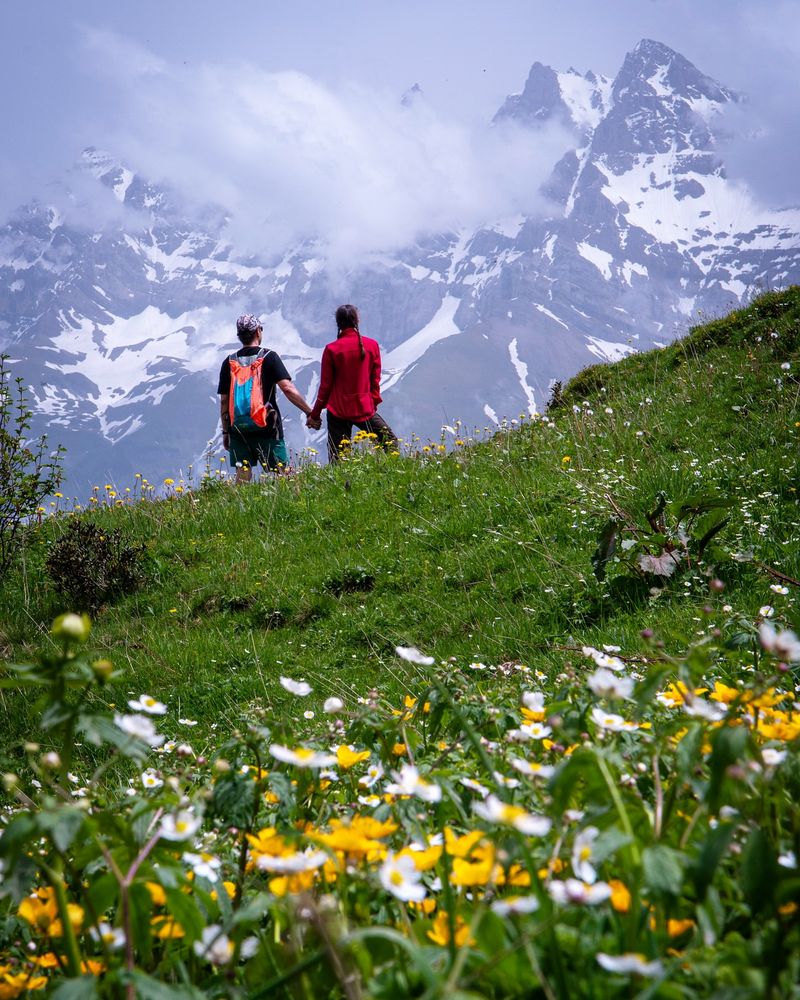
(662, 869)
(232, 801)
(712, 852)
(148, 988)
(760, 872)
(141, 910)
(62, 825)
(728, 746)
(606, 547)
(184, 909)
(82, 988)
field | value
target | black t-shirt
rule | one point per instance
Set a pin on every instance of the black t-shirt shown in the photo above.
(273, 371)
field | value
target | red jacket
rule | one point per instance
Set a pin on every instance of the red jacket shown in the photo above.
(349, 386)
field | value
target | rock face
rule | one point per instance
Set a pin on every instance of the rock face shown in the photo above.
(120, 329)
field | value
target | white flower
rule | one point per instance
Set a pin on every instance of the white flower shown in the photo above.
(784, 644)
(630, 962)
(150, 779)
(214, 945)
(300, 688)
(777, 588)
(308, 714)
(149, 705)
(112, 937)
(373, 775)
(606, 684)
(604, 659)
(413, 655)
(766, 611)
(475, 786)
(249, 948)
(203, 865)
(531, 769)
(536, 730)
(409, 782)
(188, 722)
(300, 861)
(180, 826)
(787, 860)
(582, 853)
(533, 701)
(400, 877)
(333, 705)
(370, 801)
(608, 720)
(572, 890)
(140, 728)
(302, 757)
(515, 904)
(494, 810)
(505, 782)
(711, 711)
(773, 757)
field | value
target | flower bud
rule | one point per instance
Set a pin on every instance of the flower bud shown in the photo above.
(51, 760)
(103, 669)
(31, 747)
(72, 626)
(10, 781)
(717, 585)
(222, 766)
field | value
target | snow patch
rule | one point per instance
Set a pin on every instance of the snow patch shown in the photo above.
(443, 325)
(522, 374)
(600, 258)
(607, 350)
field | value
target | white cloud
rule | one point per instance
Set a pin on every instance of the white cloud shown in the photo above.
(292, 159)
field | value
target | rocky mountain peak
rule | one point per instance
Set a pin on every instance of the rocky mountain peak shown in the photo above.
(539, 101)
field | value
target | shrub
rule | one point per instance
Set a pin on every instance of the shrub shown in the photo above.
(91, 566)
(27, 472)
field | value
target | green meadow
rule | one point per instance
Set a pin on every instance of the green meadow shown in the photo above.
(650, 515)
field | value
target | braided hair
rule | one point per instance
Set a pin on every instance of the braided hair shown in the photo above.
(347, 319)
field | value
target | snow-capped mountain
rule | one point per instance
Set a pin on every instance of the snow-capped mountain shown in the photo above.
(120, 328)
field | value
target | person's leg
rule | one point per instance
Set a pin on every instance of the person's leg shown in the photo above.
(338, 431)
(386, 436)
(241, 456)
(274, 455)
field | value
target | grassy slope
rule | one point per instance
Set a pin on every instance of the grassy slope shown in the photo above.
(480, 555)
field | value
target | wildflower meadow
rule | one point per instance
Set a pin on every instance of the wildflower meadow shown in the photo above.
(514, 714)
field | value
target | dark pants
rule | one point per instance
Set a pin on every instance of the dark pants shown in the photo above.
(340, 430)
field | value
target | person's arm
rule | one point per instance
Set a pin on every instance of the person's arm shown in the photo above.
(225, 419)
(293, 394)
(325, 384)
(375, 377)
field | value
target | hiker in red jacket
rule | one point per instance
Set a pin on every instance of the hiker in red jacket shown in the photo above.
(350, 387)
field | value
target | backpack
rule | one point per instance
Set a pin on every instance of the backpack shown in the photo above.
(248, 408)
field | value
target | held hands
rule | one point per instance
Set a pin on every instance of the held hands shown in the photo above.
(312, 423)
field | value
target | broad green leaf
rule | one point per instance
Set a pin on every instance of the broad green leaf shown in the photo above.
(82, 988)
(148, 988)
(711, 853)
(662, 868)
(760, 871)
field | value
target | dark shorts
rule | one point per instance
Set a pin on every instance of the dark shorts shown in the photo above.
(339, 431)
(256, 448)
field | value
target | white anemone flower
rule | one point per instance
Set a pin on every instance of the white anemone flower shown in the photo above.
(372, 777)
(140, 728)
(788, 859)
(532, 769)
(572, 890)
(409, 782)
(603, 659)
(214, 945)
(300, 688)
(400, 877)
(494, 810)
(188, 722)
(582, 855)
(203, 865)
(112, 937)
(784, 644)
(474, 786)
(711, 711)
(179, 826)
(413, 655)
(150, 779)
(773, 757)
(610, 721)
(766, 611)
(144, 703)
(300, 861)
(332, 706)
(302, 757)
(515, 904)
(606, 684)
(533, 701)
(630, 963)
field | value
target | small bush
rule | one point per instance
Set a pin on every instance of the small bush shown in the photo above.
(91, 566)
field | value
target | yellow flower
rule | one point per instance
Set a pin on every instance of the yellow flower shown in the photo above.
(460, 847)
(399, 749)
(440, 932)
(292, 884)
(167, 928)
(620, 895)
(479, 869)
(40, 910)
(426, 906)
(566, 460)
(168, 482)
(423, 860)
(677, 927)
(14, 985)
(347, 757)
(157, 894)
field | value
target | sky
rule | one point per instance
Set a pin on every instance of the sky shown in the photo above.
(289, 114)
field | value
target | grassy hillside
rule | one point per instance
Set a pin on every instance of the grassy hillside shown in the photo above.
(483, 554)
(308, 806)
